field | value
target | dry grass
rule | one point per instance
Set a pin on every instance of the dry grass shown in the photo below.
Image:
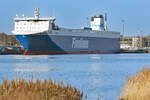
(138, 87)
(29, 90)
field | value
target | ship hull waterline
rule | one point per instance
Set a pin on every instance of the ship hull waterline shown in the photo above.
(44, 44)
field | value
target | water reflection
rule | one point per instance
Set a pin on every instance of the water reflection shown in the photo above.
(31, 66)
(30, 57)
(29, 69)
(95, 67)
(95, 57)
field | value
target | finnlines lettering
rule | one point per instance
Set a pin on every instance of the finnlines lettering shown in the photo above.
(79, 43)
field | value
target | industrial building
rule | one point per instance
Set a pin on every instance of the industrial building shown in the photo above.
(134, 42)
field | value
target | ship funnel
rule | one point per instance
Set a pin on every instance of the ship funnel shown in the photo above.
(36, 13)
(97, 23)
(106, 28)
(52, 23)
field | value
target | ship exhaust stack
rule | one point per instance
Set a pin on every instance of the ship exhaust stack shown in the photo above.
(106, 28)
(97, 23)
(36, 13)
(52, 23)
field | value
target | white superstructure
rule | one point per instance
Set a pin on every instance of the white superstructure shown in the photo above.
(30, 25)
(97, 23)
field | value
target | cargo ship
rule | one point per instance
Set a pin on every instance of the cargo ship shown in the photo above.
(41, 36)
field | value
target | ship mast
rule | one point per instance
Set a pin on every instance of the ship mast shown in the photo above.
(36, 13)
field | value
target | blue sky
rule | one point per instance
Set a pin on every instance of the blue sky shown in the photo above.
(74, 13)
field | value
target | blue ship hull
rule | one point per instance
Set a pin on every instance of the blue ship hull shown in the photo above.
(57, 44)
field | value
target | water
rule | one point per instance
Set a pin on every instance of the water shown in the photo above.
(96, 75)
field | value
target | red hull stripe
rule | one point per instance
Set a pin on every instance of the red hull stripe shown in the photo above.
(56, 52)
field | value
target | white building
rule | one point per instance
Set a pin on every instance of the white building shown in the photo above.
(138, 42)
(125, 46)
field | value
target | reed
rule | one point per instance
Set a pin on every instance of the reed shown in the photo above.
(21, 89)
(137, 87)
